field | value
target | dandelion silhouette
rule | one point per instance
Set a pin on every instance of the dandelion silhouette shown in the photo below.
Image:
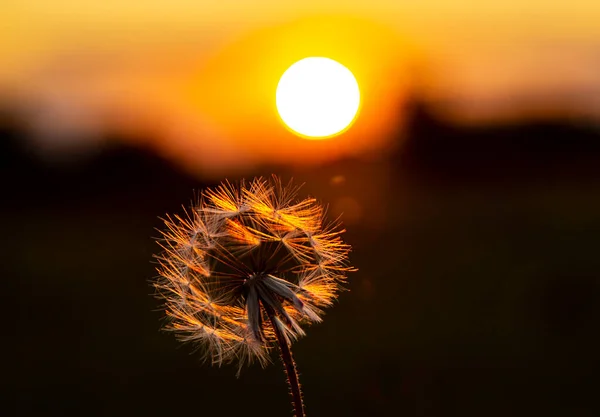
(246, 268)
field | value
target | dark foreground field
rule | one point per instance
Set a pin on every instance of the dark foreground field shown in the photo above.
(478, 292)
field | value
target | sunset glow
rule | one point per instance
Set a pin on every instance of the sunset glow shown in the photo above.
(197, 82)
(317, 97)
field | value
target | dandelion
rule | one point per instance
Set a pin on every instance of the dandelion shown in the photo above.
(246, 269)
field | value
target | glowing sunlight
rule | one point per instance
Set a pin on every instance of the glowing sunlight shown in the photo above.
(317, 97)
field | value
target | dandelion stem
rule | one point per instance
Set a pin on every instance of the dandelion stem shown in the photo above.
(290, 366)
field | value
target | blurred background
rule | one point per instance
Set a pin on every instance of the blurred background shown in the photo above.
(469, 185)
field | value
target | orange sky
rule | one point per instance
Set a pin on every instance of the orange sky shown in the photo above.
(198, 77)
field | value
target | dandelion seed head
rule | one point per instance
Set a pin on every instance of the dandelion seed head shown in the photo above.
(243, 254)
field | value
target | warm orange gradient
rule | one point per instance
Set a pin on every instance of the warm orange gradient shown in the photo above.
(196, 80)
(236, 87)
(215, 112)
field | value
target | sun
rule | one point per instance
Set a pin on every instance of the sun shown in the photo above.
(317, 97)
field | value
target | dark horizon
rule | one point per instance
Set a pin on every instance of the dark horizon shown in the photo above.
(477, 292)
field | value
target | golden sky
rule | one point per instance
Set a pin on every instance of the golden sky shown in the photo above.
(197, 78)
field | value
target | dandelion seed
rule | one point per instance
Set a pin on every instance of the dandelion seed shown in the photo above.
(246, 269)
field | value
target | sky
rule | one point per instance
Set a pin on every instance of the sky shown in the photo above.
(195, 79)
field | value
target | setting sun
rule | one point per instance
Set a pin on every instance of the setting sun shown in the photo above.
(317, 97)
